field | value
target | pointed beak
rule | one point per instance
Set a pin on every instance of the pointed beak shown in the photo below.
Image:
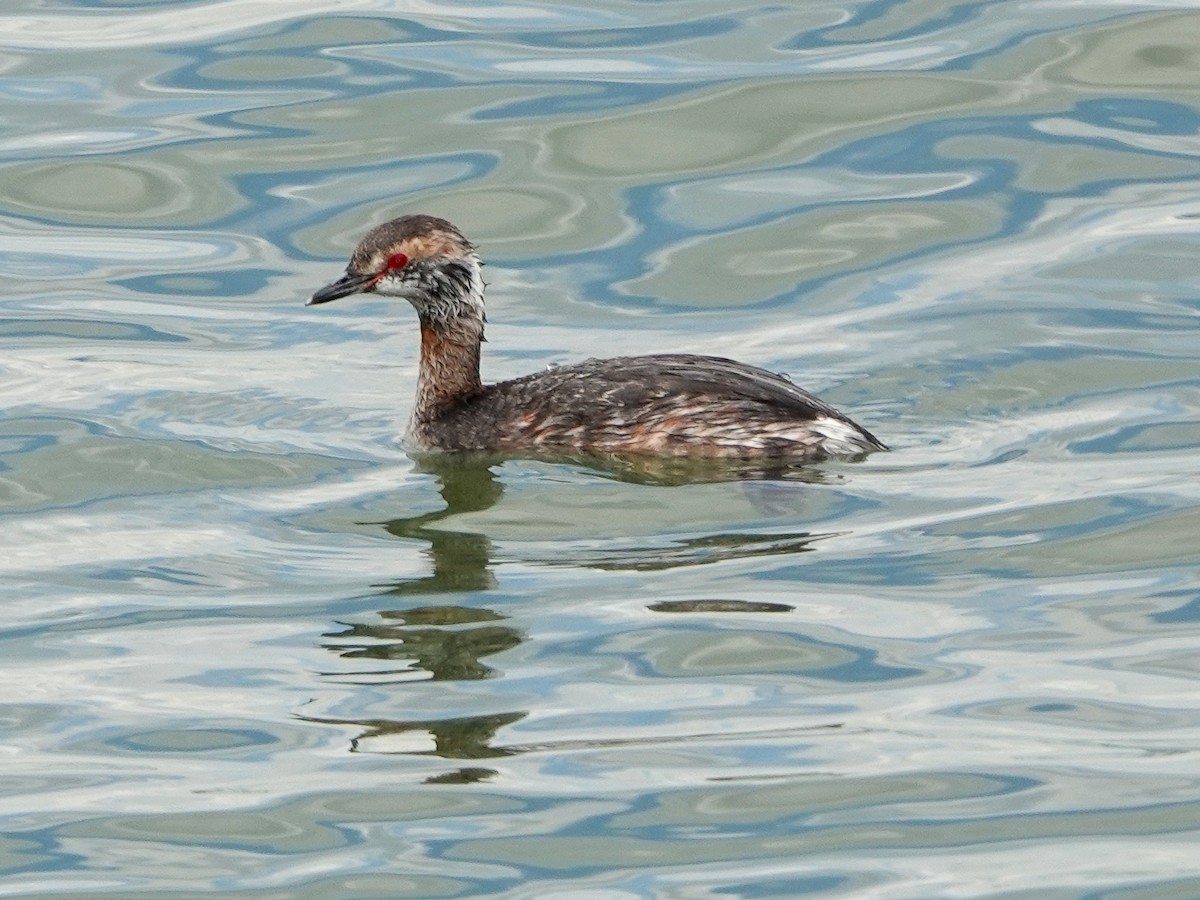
(350, 283)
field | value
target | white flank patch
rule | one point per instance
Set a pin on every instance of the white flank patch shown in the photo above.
(838, 437)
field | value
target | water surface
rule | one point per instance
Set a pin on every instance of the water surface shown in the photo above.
(252, 647)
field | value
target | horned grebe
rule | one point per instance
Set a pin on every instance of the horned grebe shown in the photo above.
(664, 405)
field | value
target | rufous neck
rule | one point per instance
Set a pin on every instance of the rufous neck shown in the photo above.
(449, 365)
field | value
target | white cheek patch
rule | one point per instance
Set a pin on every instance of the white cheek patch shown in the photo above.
(394, 284)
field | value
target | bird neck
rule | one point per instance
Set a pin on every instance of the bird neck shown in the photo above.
(449, 365)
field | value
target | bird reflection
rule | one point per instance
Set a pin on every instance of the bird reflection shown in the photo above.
(709, 548)
(461, 560)
(453, 643)
(437, 653)
(435, 643)
(674, 471)
(439, 643)
(467, 737)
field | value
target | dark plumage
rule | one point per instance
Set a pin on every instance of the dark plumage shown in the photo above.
(663, 404)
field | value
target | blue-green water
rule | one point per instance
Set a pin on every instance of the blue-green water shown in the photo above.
(247, 645)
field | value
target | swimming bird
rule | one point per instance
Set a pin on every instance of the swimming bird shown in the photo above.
(671, 405)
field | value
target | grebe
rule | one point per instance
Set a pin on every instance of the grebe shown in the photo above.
(662, 405)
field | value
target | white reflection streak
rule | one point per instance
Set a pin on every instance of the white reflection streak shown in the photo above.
(28, 249)
(1072, 228)
(53, 543)
(112, 248)
(178, 25)
(588, 67)
(1181, 144)
(927, 55)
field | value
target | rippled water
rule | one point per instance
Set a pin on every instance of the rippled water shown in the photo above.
(250, 646)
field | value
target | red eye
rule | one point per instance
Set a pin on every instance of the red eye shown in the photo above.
(397, 261)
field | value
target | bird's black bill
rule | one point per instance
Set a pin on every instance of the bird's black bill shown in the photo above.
(350, 283)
